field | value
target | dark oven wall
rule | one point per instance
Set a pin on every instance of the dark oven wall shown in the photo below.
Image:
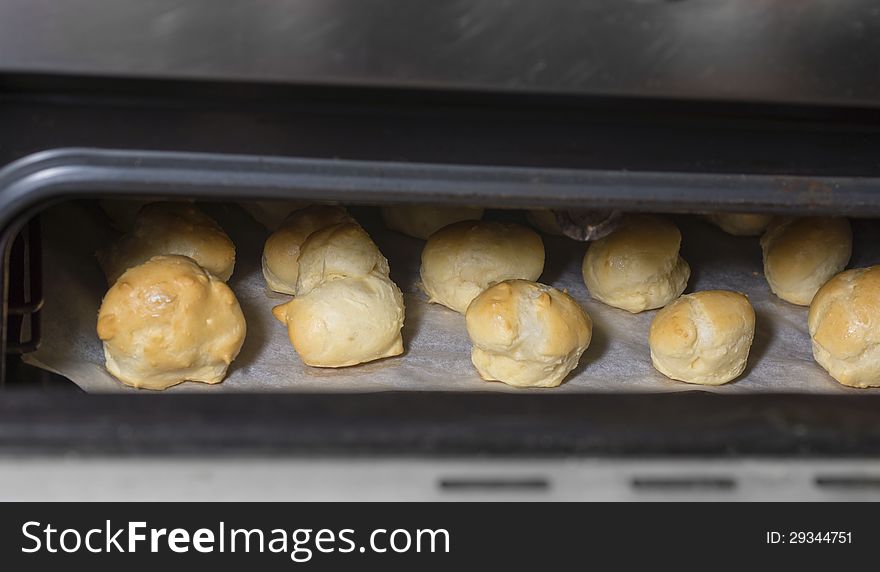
(41, 112)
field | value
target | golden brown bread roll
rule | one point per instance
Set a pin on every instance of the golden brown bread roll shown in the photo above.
(272, 214)
(800, 255)
(345, 321)
(421, 221)
(703, 337)
(844, 324)
(347, 310)
(526, 334)
(281, 252)
(167, 321)
(545, 221)
(461, 260)
(741, 224)
(122, 212)
(339, 250)
(171, 228)
(637, 267)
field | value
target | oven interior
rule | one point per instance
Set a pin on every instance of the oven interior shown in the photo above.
(69, 146)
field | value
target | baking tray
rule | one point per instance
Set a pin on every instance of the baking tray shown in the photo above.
(32, 183)
(686, 423)
(437, 347)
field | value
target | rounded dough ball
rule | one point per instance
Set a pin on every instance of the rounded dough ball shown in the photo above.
(637, 267)
(122, 212)
(703, 337)
(337, 251)
(800, 255)
(168, 321)
(526, 334)
(545, 221)
(345, 321)
(463, 259)
(171, 228)
(741, 224)
(421, 221)
(282, 249)
(844, 324)
(272, 214)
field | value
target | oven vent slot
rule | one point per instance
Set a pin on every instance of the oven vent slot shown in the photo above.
(25, 291)
(490, 484)
(848, 482)
(684, 484)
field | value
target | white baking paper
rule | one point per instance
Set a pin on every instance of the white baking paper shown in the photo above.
(437, 356)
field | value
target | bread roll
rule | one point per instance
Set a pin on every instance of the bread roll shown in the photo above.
(171, 228)
(463, 259)
(347, 310)
(741, 224)
(168, 321)
(339, 250)
(272, 214)
(281, 252)
(526, 334)
(122, 212)
(345, 321)
(704, 337)
(422, 221)
(545, 221)
(637, 267)
(844, 324)
(800, 255)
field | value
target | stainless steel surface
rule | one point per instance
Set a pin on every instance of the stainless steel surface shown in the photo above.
(250, 479)
(824, 51)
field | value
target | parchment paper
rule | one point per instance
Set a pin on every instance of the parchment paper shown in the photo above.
(437, 347)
